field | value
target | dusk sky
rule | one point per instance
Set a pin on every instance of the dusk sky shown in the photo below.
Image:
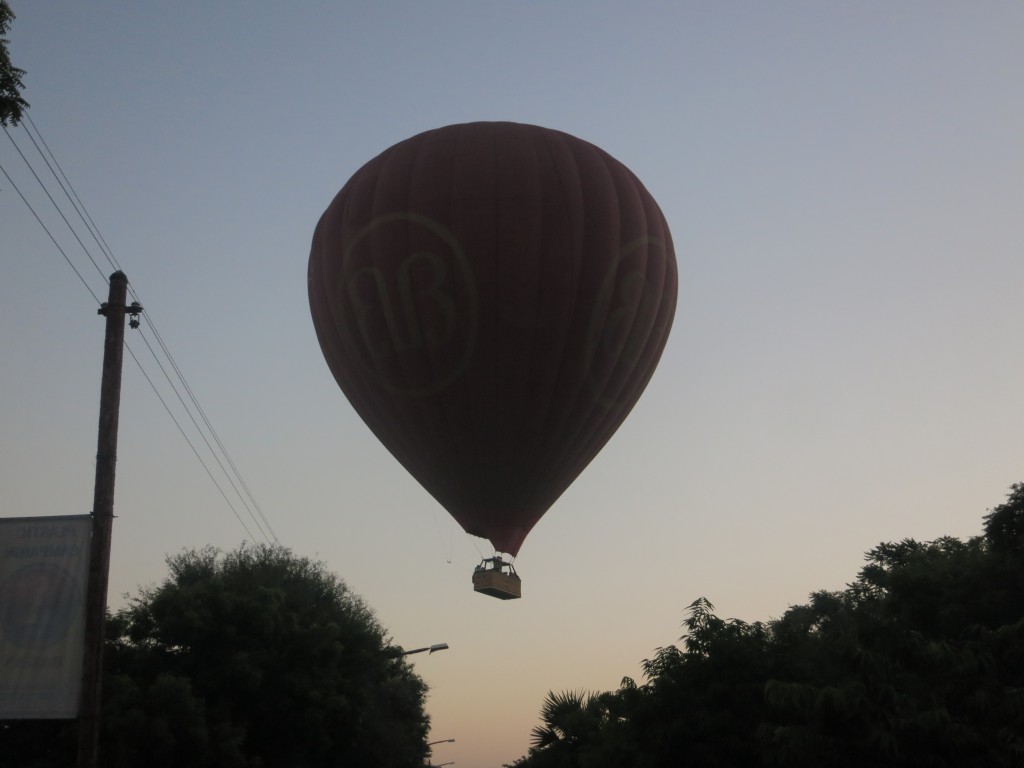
(845, 188)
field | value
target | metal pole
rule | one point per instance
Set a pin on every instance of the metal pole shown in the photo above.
(102, 521)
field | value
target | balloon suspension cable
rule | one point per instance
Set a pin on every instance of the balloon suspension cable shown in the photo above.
(476, 544)
(504, 557)
(448, 550)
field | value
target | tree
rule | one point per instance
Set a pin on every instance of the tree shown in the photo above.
(11, 103)
(250, 659)
(704, 702)
(1004, 525)
(255, 658)
(918, 662)
(580, 729)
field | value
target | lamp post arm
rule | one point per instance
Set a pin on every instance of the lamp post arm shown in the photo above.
(429, 649)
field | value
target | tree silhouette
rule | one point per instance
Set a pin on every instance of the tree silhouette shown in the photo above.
(11, 102)
(246, 659)
(918, 662)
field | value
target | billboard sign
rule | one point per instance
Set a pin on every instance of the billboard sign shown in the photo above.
(44, 570)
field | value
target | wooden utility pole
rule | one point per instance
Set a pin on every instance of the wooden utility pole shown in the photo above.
(102, 519)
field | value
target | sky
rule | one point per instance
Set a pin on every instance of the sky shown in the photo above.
(844, 185)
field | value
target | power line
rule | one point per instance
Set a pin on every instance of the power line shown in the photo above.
(57, 207)
(76, 202)
(198, 429)
(190, 404)
(190, 443)
(49, 234)
(210, 428)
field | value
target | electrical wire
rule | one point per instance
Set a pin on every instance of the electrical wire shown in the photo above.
(80, 206)
(190, 443)
(209, 447)
(57, 207)
(213, 432)
(90, 224)
(49, 234)
(190, 404)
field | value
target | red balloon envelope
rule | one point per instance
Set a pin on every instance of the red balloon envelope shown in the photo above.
(493, 298)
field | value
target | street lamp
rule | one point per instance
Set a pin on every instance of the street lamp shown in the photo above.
(429, 649)
(439, 765)
(442, 741)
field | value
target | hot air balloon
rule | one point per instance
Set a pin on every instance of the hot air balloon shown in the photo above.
(493, 298)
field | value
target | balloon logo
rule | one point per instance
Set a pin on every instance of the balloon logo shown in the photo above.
(493, 298)
(409, 309)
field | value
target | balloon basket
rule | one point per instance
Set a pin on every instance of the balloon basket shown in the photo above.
(496, 578)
